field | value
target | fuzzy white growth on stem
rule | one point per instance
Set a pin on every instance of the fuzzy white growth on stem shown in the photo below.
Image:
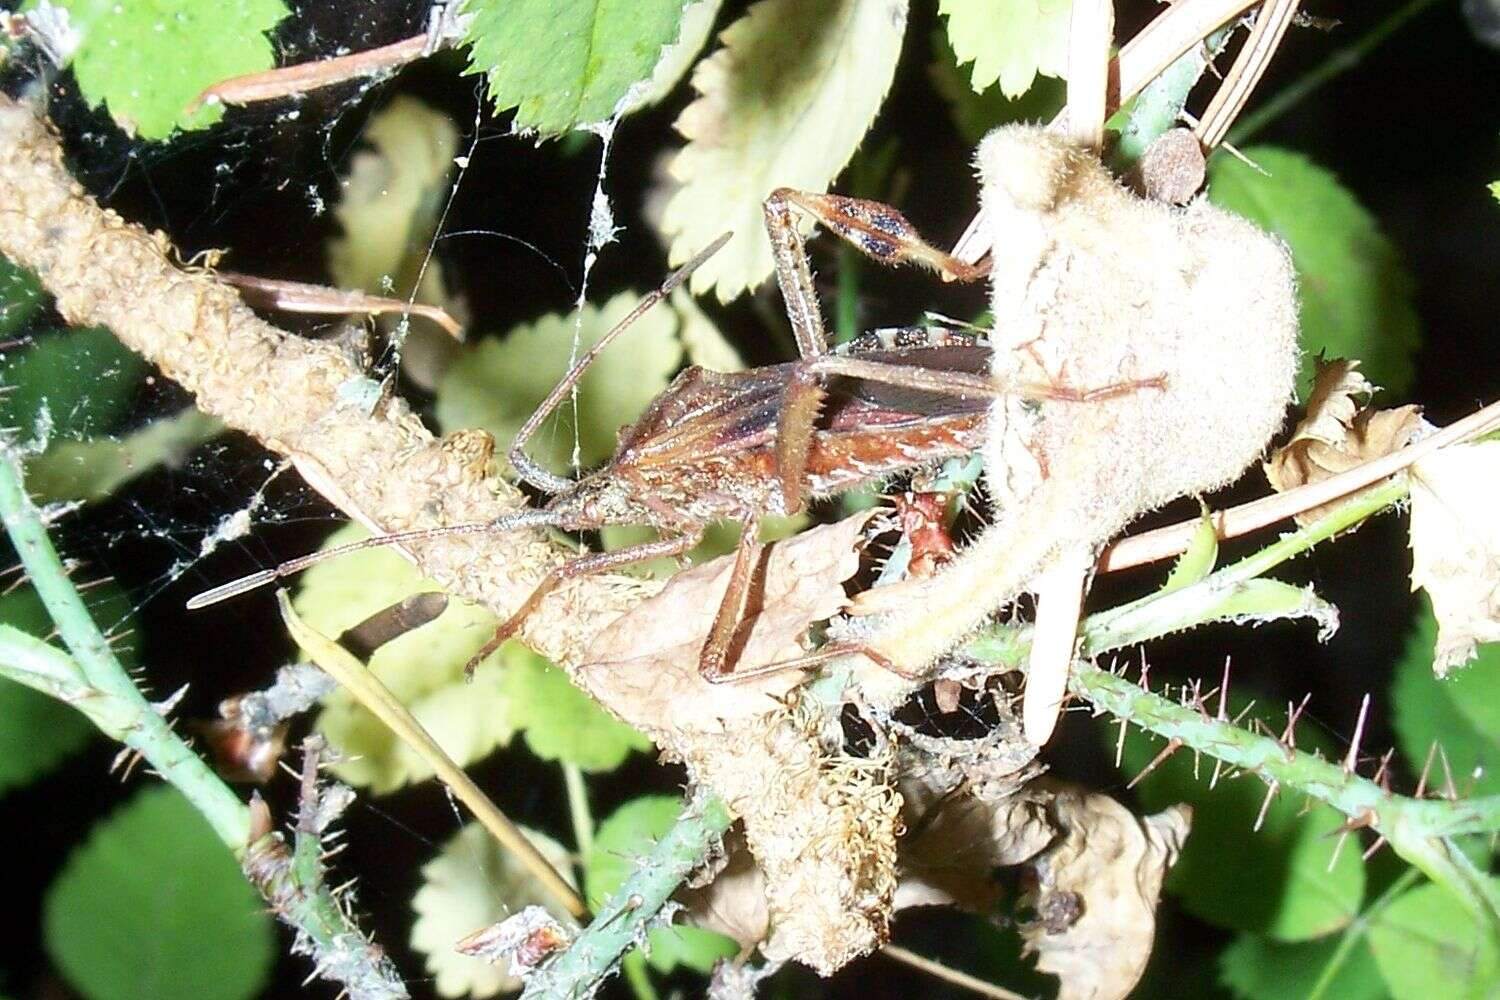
(1195, 308)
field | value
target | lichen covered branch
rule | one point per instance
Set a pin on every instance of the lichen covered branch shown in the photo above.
(295, 396)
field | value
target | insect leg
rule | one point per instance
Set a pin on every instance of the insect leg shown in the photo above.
(713, 661)
(800, 403)
(598, 562)
(818, 657)
(877, 230)
(969, 385)
(794, 276)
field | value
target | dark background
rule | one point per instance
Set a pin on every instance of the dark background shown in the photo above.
(1413, 131)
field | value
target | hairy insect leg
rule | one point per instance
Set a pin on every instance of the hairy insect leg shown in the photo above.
(597, 562)
(1110, 390)
(794, 276)
(874, 228)
(800, 403)
(530, 470)
(878, 231)
(968, 385)
(245, 584)
(713, 661)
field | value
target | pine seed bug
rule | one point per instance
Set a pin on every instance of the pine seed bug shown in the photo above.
(738, 446)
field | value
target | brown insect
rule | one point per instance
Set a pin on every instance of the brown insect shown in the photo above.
(738, 446)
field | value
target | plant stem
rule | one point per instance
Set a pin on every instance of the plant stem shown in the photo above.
(1355, 797)
(578, 808)
(633, 968)
(1416, 829)
(374, 696)
(1336, 64)
(1158, 106)
(1158, 614)
(846, 302)
(93, 681)
(146, 731)
(625, 918)
(1357, 930)
(940, 971)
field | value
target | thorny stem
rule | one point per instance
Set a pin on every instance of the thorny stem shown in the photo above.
(629, 913)
(93, 681)
(1327, 69)
(1417, 829)
(146, 731)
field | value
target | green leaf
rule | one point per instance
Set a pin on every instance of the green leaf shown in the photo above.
(698, 18)
(1276, 881)
(705, 343)
(620, 843)
(391, 198)
(565, 65)
(1256, 968)
(472, 883)
(784, 103)
(1460, 712)
(1198, 561)
(423, 668)
(85, 378)
(21, 296)
(37, 733)
(496, 384)
(147, 60)
(1263, 600)
(1427, 945)
(560, 722)
(154, 906)
(1009, 40)
(96, 468)
(975, 114)
(1356, 294)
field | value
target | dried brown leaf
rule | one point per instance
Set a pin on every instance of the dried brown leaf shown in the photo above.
(734, 903)
(1096, 892)
(1455, 541)
(645, 664)
(1339, 432)
(957, 844)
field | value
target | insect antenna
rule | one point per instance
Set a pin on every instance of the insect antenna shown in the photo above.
(523, 463)
(245, 584)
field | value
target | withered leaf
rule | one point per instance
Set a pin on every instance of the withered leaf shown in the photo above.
(1096, 892)
(734, 903)
(1339, 432)
(957, 842)
(1455, 542)
(645, 664)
